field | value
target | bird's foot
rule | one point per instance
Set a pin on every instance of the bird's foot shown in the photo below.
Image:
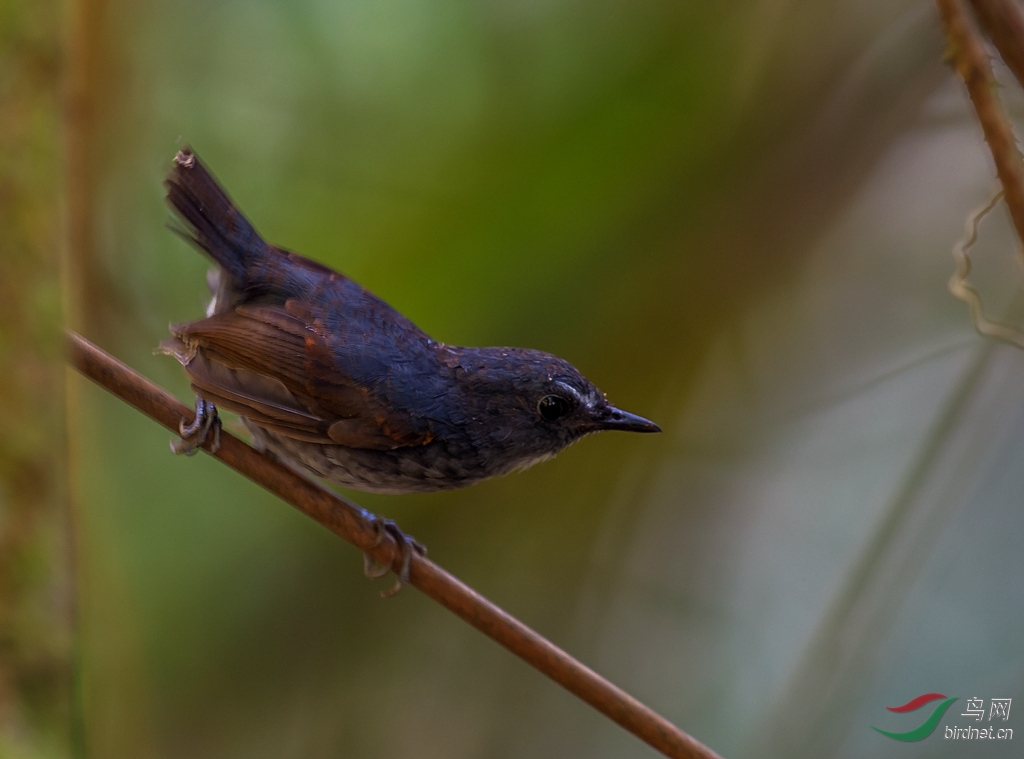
(406, 544)
(194, 435)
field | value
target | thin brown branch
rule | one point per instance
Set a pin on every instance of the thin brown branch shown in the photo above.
(353, 524)
(1003, 21)
(972, 63)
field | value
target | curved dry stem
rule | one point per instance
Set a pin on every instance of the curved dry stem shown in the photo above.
(962, 289)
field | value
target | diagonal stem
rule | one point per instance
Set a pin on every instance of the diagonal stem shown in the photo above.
(1003, 20)
(354, 525)
(968, 54)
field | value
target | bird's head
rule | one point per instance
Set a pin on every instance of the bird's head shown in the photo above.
(528, 405)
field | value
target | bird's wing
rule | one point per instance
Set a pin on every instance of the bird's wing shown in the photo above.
(276, 366)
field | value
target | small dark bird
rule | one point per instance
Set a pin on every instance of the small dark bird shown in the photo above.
(331, 379)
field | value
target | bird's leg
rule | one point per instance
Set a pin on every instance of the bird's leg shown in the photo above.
(194, 434)
(406, 544)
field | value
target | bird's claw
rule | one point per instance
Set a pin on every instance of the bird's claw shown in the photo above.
(406, 544)
(195, 433)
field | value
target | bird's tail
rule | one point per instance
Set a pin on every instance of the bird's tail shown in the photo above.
(216, 226)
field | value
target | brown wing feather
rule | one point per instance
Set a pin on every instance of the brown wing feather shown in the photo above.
(261, 362)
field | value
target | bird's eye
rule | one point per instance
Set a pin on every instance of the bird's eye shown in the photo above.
(553, 407)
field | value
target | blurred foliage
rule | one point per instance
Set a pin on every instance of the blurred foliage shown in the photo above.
(35, 601)
(734, 219)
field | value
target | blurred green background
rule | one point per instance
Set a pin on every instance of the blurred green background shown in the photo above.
(735, 218)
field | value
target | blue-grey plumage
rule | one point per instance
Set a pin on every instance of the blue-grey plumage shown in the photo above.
(330, 378)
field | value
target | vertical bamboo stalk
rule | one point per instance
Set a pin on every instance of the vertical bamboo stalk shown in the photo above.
(78, 267)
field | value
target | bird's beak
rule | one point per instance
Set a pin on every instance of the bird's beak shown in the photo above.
(625, 421)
